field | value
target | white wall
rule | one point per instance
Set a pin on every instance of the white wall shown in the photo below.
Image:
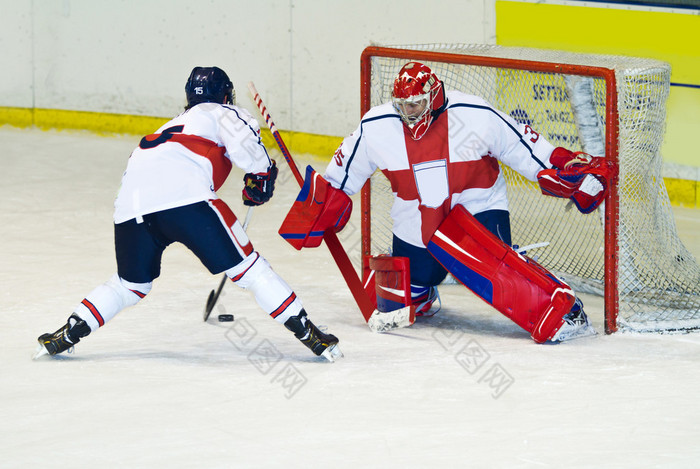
(134, 56)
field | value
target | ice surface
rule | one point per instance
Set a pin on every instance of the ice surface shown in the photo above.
(157, 387)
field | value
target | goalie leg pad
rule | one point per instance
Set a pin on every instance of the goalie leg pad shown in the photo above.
(515, 285)
(392, 280)
(388, 286)
(318, 207)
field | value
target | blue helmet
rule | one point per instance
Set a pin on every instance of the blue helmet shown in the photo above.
(209, 85)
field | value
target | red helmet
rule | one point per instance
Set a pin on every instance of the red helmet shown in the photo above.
(418, 97)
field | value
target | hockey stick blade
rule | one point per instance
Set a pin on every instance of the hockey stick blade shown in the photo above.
(213, 297)
(388, 321)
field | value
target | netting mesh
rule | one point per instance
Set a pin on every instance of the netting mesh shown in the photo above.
(658, 278)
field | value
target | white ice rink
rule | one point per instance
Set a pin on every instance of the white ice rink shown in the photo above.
(158, 387)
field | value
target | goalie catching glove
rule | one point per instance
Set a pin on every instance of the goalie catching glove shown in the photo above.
(318, 207)
(258, 187)
(577, 176)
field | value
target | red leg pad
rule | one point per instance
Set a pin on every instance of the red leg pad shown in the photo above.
(515, 285)
(392, 280)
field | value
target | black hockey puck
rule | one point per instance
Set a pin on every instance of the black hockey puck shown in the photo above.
(225, 317)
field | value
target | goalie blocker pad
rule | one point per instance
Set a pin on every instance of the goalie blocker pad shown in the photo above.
(515, 285)
(318, 207)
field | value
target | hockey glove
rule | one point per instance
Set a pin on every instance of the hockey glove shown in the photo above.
(258, 187)
(319, 207)
(578, 176)
(561, 158)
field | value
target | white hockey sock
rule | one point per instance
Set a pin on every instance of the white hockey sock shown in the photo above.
(105, 301)
(272, 293)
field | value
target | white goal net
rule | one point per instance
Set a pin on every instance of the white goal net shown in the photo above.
(628, 250)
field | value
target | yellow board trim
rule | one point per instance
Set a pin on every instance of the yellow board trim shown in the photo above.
(98, 122)
(17, 117)
(682, 192)
(316, 147)
(312, 146)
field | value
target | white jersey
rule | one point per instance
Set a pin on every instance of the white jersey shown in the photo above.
(188, 159)
(455, 162)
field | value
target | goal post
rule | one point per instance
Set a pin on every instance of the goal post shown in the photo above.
(628, 251)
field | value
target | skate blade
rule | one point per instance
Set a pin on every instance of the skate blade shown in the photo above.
(40, 352)
(332, 353)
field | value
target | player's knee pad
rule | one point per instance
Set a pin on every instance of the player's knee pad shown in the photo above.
(271, 292)
(130, 292)
(105, 301)
(515, 285)
(243, 272)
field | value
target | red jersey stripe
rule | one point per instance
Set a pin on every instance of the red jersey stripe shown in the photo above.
(221, 166)
(229, 219)
(461, 175)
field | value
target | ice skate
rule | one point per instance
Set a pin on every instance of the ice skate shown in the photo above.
(63, 339)
(575, 325)
(320, 343)
(430, 305)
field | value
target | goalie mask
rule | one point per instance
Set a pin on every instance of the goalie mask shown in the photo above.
(209, 85)
(418, 97)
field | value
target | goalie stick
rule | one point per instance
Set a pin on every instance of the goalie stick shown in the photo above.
(391, 320)
(214, 294)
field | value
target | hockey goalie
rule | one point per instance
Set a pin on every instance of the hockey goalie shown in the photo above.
(441, 152)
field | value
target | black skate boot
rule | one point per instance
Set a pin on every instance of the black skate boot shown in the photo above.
(319, 343)
(64, 338)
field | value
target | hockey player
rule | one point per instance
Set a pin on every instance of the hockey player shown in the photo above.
(441, 151)
(168, 195)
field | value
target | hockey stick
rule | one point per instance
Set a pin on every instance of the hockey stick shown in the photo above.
(388, 321)
(214, 294)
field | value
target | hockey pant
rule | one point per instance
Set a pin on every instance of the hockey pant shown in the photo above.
(515, 285)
